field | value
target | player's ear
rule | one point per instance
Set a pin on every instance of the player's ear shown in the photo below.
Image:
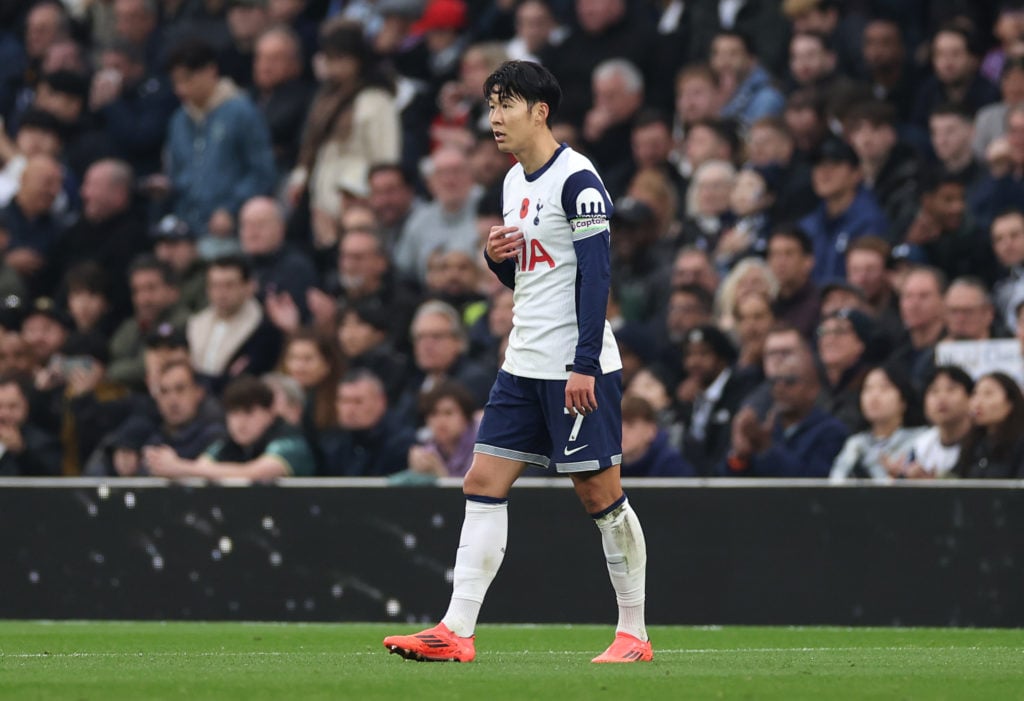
(540, 112)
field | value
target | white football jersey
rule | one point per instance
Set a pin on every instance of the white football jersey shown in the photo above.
(561, 203)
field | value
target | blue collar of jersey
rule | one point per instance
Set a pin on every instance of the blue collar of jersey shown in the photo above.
(543, 169)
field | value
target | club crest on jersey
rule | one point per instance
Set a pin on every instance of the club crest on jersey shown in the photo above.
(524, 208)
(536, 219)
(591, 214)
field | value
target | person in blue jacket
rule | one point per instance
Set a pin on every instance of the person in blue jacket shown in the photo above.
(846, 211)
(218, 148)
(646, 450)
(797, 439)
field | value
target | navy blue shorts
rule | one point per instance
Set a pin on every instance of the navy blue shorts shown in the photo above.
(526, 419)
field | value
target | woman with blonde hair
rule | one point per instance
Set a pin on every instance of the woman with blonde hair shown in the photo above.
(750, 275)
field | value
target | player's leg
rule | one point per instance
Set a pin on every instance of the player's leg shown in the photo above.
(591, 453)
(625, 551)
(483, 539)
(511, 430)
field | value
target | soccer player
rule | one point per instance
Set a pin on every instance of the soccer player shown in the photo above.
(557, 397)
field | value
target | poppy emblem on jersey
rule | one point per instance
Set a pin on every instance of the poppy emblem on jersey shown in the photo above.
(536, 219)
(524, 208)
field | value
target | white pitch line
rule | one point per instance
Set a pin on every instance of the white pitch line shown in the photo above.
(657, 651)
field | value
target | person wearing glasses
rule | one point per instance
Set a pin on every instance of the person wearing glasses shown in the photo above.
(797, 438)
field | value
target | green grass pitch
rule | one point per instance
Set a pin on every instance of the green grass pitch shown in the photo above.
(86, 661)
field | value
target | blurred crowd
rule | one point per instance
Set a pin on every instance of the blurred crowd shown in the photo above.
(244, 238)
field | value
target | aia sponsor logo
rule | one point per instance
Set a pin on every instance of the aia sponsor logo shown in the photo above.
(533, 254)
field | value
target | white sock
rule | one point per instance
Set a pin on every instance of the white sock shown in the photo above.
(626, 553)
(481, 550)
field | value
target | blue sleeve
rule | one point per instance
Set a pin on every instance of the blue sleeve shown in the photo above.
(766, 103)
(587, 208)
(505, 270)
(257, 155)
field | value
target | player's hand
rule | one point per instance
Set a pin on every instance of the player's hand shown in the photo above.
(504, 242)
(579, 394)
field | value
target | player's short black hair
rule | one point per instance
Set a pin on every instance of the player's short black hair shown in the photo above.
(528, 81)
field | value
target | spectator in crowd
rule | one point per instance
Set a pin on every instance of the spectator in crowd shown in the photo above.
(33, 230)
(696, 99)
(28, 451)
(155, 300)
(369, 439)
(693, 266)
(847, 210)
(137, 22)
(448, 414)
(890, 167)
(133, 103)
(64, 94)
(994, 447)
(536, 29)
(393, 199)
(314, 360)
(750, 204)
(365, 274)
(791, 260)
(990, 121)
(867, 259)
(363, 338)
(88, 301)
(606, 29)
(947, 399)
(44, 328)
(750, 275)
(880, 452)
(281, 92)
(38, 133)
(260, 445)
(924, 317)
(448, 222)
(1008, 247)
(650, 148)
(246, 20)
(812, 63)
(352, 123)
(951, 129)
(174, 244)
(887, 68)
(943, 232)
(289, 397)
(845, 338)
(710, 359)
(110, 232)
(970, 312)
(689, 306)
(781, 342)
(646, 449)
(639, 268)
(284, 274)
(87, 390)
(707, 205)
(232, 335)
(182, 425)
(218, 149)
(771, 150)
(746, 87)
(754, 319)
(709, 139)
(955, 78)
(826, 18)
(440, 347)
(797, 440)
(804, 116)
(462, 109)
(618, 95)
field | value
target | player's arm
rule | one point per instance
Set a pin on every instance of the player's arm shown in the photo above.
(587, 207)
(503, 245)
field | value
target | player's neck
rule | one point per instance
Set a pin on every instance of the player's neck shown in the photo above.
(539, 152)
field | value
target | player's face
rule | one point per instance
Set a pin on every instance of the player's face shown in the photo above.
(512, 122)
